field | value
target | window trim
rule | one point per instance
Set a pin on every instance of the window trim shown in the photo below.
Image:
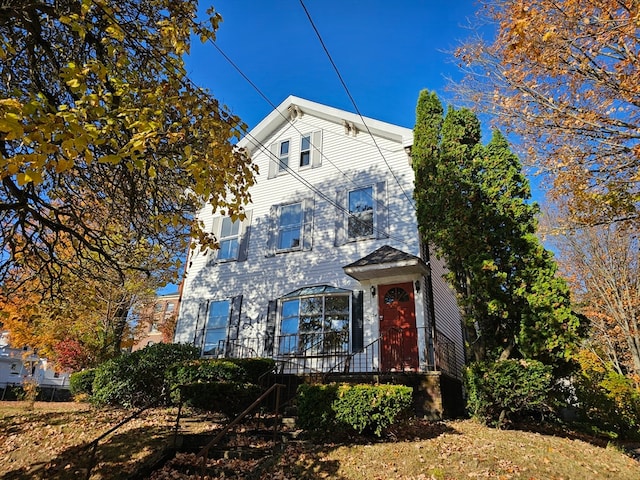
(283, 166)
(243, 239)
(351, 215)
(229, 238)
(279, 228)
(308, 151)
(306, 233)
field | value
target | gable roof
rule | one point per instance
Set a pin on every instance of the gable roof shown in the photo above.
(385, 261)
(293, 105)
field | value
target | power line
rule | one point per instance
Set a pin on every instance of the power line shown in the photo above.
(344, 85)
(275, 108)
(188, 82)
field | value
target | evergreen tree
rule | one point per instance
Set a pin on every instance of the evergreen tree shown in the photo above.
(473, 206)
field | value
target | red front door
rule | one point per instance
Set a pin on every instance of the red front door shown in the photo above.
(399, 350)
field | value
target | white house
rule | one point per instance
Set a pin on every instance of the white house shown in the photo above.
(327, 272)
(18, 365)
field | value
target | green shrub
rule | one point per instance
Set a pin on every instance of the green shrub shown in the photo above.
(81, 383)
(508, 388)
(217, 370)
(363, 408)
(371, 407)
(314, 407)
(138, 378)
(230, 398)
(255, 368)
(205, 370)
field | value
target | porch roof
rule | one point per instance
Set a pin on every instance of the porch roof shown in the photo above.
(386, 261)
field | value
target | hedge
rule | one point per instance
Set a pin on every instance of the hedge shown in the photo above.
(363, 408)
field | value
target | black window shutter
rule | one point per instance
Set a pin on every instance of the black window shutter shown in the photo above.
(243, 247)
(234, 317)
(341, 205)
(271, 327)
(357, 321)
(307, 227)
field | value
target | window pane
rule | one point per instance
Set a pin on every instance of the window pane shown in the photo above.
(284, 156)
(305, 151)
(218, 314)
(311, 305)
(290, 308)
(290, 226)
(361, 200)
(337, 305)
(291, 214)
(216, 332)
(304, 158)
(228, 249)
(288, 340)
(214, 342)
(229, 228)
(361, 213)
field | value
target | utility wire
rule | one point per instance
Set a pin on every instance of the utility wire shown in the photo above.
(275, 108)
(346, 89)
(186, 81)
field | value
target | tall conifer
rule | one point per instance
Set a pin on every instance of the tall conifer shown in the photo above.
(473, 205)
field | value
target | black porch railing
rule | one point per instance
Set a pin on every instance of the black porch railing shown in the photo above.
(329, 352)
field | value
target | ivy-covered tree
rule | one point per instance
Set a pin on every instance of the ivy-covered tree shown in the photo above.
(473, 207)
(106, 145)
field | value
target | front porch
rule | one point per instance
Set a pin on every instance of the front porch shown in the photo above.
(325, 358)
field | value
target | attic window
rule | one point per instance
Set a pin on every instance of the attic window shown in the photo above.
(305, 150)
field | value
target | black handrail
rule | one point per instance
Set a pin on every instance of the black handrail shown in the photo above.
(133, 416)
(204, 453)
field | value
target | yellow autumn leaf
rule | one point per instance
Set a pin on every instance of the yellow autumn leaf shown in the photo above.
(30, 176)
(112, 159)
(11, 127)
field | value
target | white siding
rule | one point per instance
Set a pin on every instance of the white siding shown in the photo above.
(348, 162)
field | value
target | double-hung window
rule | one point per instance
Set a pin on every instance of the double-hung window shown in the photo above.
(290, 227)
(361, 214)
(361, 211)
(283, 156)
(229, 239)
(233, 238)
(305, 150)
(216, 328)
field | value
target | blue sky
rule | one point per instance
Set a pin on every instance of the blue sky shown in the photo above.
(386, 52)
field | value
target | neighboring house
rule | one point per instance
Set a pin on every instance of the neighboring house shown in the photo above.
(18, 365)
(155, 319)
(326, 273)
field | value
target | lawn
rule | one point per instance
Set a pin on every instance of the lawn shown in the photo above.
(46, 443)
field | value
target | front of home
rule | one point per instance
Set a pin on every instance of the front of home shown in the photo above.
(326, 273)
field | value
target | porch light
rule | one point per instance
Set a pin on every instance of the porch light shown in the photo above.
(373, 291)
(417, 286)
